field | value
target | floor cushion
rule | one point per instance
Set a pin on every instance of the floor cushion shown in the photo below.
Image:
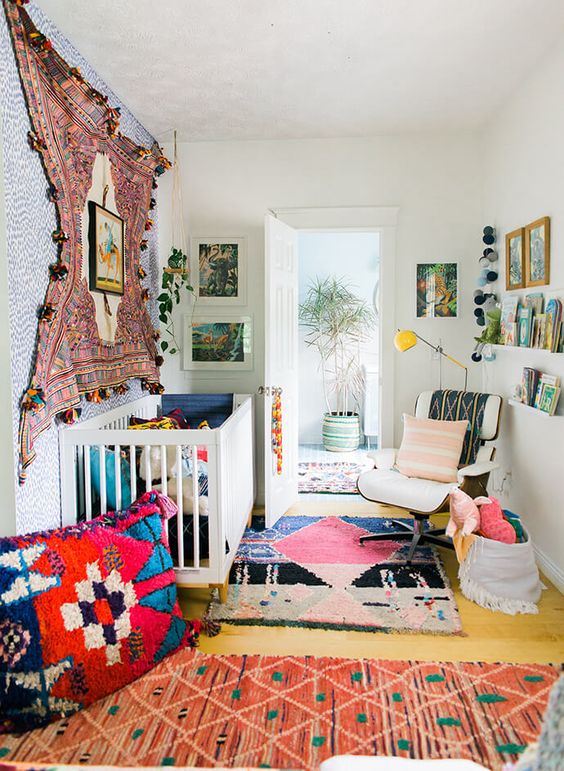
(84, 610)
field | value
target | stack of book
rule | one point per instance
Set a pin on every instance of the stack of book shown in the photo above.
(532, 325)
(529, 384)
(548, 393)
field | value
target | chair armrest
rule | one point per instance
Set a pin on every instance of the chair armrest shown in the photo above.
(384, 459)
(477, 469)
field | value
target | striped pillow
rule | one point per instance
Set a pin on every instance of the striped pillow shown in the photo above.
(430, 449)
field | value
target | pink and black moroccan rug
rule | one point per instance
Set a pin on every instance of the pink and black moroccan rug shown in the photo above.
(312, 572)
(295, 712)
(330, 478)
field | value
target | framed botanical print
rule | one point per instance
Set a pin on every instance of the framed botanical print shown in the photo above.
(436, 290)
(218, 342)
(537, 252)
(515, 259)
(219, 270)
(105, 250)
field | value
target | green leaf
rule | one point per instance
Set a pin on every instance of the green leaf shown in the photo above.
(169, 305)
(163, 318)
(162, 297)
(173, 350)
(164, 345)
(189, 288)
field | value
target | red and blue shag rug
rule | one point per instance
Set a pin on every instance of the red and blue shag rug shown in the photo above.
(195, 709)
(311, 571)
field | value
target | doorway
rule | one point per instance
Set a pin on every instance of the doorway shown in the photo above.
(280, 412)
(348, 260)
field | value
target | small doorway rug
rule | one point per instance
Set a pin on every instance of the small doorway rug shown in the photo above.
(198, 710)
(312, 572)
(331, 478)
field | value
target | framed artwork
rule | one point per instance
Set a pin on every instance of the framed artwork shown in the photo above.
(515, 259)
(105, 250)
(537, 252)
(437, 290)
(219, 270)
(218, 342)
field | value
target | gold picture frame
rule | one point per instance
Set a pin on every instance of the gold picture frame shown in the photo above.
(515, 259)
(106, 250)
(537, 252)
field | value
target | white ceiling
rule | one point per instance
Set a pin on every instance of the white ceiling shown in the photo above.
(266, 69)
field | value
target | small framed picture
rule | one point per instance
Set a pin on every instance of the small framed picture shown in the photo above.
(515, 259)
(105, 250)
(537, 252)
(437, 290)
(219, 270)
(218, 342)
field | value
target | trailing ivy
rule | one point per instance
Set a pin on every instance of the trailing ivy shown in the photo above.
(175, 279)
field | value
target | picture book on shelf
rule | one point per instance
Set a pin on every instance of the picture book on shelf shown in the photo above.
(509, 319)
(529, 383)
(553, 314)
(525, 326)
(547, 393)
(535, 300)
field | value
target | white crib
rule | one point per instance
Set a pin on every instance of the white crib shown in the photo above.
(230, 479)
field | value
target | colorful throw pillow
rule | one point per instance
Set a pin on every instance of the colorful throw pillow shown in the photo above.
(430, 449)
(84, 610)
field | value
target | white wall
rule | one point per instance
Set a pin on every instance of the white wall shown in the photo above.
(525, 173)
(355, 258)
(435, 180)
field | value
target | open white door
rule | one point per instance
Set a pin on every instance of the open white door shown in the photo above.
(281, 365)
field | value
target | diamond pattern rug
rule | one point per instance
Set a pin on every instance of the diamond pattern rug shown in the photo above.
(312, 572)
(331, 478)
(294, 712)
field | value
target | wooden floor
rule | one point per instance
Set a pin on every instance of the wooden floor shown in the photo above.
(488, 636)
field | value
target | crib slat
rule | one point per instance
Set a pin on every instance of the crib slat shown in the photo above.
(117, 460)
(87, 484)
(196, 507)
(180, 504)
(164, 470)
(102, 459)
(79, 464)
(133, 466)
(148, 480)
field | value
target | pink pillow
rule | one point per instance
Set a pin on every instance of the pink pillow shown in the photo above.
(430, 449)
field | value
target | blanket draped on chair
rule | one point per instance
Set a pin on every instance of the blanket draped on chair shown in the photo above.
(71, 124)
(461, 405)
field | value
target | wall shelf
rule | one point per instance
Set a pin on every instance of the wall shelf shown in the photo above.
(522, 406)
(528, 350)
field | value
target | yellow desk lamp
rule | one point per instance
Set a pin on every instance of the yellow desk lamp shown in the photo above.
(406, 338)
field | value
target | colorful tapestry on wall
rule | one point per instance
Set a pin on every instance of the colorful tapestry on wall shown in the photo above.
(312, 572)
(73, 125)
(295, 712)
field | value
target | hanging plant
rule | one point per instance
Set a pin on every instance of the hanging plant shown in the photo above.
(176, 279)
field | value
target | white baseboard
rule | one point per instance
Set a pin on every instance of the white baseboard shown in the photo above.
(550, 569)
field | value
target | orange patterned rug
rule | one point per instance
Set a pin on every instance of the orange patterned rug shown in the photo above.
(196, 709)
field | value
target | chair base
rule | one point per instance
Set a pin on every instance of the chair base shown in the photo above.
(417, 533)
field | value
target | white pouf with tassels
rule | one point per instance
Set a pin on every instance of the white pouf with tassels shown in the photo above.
(501, 576)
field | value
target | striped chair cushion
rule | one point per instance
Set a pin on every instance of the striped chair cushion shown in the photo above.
(430, 449)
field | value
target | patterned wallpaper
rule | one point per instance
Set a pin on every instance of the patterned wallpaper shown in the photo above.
(30, 219)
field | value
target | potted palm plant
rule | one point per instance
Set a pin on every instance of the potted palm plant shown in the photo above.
(338, 322)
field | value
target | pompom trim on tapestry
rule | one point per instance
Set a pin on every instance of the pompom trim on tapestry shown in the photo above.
(72, 122)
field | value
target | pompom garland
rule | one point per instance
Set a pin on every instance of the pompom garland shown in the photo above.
(58, 271)
(47, 312)
(33, 400)
(71, 416)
